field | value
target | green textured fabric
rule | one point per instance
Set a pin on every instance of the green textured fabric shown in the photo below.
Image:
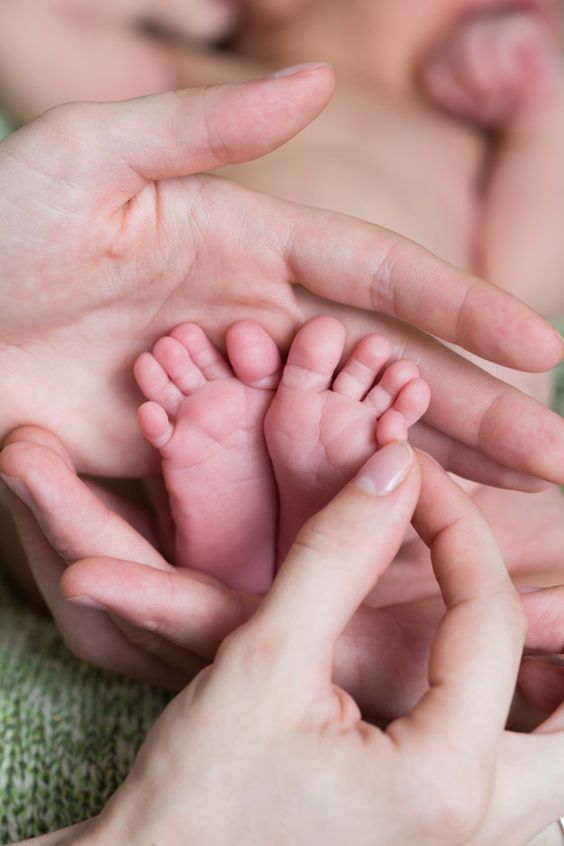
(559, 379)
(6, 126)
(68, 733)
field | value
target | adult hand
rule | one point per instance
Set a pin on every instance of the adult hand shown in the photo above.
(107, 244)
(268, 712)
(143, 618)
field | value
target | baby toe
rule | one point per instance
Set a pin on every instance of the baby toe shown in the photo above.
(413, 400)
(253, 354)
(314, 355)
(155, 384)
(155, 425)
(394, 379)
(175, 361)
(363, 367)
(392, 426)
(202, 352)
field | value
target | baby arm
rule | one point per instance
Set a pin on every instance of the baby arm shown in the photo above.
(502, 70)
(523, 247)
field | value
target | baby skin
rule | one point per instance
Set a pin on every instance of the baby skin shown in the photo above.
(500, 68)
(251, 448)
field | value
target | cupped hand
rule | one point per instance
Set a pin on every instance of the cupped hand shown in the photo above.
(132, 613)
(108, 242)
(264, 747)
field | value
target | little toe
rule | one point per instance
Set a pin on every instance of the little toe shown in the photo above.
(154, 383)
(254, 356)
(314, 355)
(413, 400)
(392, 426)
(175, 361)
(363, 367)
(202, 352)
(155, 425)
(394, 378)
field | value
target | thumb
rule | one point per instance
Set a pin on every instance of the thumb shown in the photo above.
(338, 556)
(128, 144)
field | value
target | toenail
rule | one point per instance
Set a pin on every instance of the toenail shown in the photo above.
(19, 489)
(386, 470)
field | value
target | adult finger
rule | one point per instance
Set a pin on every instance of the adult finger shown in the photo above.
(476, 654)
(373, 268)
(179, 133)
(89, 634)
(73, 518)
(336, 559)
(381, 658)
(118, 646)
(189, 609)
(469, 462)
(527, 796)
(488, 417)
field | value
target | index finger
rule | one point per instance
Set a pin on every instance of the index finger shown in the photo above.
(335, 561)
(367, 266)
(477, 651)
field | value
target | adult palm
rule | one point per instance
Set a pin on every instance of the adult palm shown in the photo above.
(107, 241)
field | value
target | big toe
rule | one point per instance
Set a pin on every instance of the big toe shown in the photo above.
(253, 354)
(314, 355)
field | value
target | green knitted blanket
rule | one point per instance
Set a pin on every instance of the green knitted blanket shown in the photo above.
(68, 733)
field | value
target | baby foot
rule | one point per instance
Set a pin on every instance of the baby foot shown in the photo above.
(494, 65)
(320, 429)
(206, 419)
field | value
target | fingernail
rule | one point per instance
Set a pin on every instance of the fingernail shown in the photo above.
(86, 602)
(386, 469)
(294, 70)
(19, 489)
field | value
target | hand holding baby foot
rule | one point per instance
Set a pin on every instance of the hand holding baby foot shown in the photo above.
(206, 417)
(320, 428)
(137, 241)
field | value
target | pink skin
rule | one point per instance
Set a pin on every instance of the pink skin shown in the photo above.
(494, 64)
(207, 419)
(320, 428)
